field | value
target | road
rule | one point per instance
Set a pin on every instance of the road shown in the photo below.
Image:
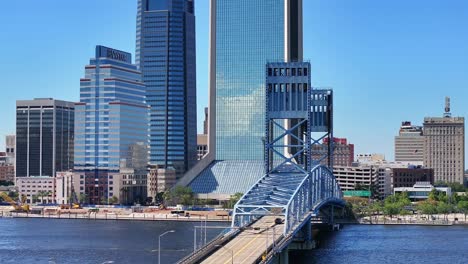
(250, 244)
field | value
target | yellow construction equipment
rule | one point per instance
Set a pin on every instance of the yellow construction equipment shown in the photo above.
(17, 205)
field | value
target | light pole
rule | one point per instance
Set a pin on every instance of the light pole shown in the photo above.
(228, 249)
(159, 244)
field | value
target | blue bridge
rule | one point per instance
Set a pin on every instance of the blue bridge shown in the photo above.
(276, 213)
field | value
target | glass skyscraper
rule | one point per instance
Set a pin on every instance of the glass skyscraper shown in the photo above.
(111, 124)
(245, 35)
(44, 137)
(165, 54)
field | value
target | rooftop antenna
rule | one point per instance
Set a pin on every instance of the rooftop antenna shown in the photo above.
(447, 107)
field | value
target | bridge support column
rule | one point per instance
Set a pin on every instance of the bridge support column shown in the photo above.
(284, 257)
(308, 231)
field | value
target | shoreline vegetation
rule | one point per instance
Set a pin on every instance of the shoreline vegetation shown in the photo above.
(438, 209)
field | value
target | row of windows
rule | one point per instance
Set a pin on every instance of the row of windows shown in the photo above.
(287, 71)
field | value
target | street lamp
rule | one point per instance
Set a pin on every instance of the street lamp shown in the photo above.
(228, 249)
(159, 244)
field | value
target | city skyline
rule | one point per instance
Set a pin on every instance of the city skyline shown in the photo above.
(392, 47)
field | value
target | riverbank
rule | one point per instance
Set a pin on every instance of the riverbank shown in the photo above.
(111, 216)
(432, 220)
(119, 214)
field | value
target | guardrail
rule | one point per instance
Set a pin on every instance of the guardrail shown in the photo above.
(207, 249)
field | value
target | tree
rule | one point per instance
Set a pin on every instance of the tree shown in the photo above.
(113, 200)
(463, 207)
(444, 208)
(43, 194)
(427, 207)
(103, 200)
(83, 198)
(159, 197)
(391, 209)
(179, 195)
(234, 199)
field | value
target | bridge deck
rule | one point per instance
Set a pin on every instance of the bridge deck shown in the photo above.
(250, 244)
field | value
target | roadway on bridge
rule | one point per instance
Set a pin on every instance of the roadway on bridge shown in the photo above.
(250, 244)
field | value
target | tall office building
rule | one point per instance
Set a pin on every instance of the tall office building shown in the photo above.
(245, 35)
(444, 148)
(165, 54)
(409, 144)
(44, 137)
(111, 129)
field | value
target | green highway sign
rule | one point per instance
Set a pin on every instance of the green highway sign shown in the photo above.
(356, 193)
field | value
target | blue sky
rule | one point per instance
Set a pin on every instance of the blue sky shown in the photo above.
(387, 61)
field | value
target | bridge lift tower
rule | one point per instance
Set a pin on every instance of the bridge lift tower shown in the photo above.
(297, 183)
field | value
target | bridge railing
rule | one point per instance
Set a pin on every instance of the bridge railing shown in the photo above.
(319, 187)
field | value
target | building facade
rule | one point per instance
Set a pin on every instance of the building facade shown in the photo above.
(444, 147)
(343, 153)
(202, 146)
(421, 190)
(44, 137)
(165, 54)
(409, 144)
(348, 177)
(237, 76)
(7, 172)
(10, 141)
(111, 124)
(38, 189)
(407, 177)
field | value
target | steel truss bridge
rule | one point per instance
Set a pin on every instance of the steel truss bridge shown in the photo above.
(279, 207)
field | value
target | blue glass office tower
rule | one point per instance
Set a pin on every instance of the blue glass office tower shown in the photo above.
(165, 54)
(245, 35)
(111, 124)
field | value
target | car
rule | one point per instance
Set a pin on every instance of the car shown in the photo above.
(279, 221)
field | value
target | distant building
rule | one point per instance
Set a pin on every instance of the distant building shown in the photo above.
(205, 122)
(160, 180)
(407, 177)
(421, 190)
(372, 170)
(44, 137)
(7, 172)
(348, 177)
(11, 149)
(3, 158)
(202, 139)
(64, 187)
(369, 158)
(409, 144)
(202, 145)
(343, 153)
(111, 128)
(444, 148)
(31, 187)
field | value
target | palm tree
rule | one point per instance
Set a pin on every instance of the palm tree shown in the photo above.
(43, 194)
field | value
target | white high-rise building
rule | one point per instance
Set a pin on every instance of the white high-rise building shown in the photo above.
(409, 144)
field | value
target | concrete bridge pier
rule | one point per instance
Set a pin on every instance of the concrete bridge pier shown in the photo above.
(284, 257)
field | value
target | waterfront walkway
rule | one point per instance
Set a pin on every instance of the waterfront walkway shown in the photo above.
(114, 216)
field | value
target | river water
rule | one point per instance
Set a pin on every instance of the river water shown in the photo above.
(95, 242)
